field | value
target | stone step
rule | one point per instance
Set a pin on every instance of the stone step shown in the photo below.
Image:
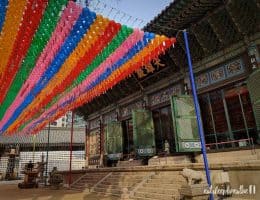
(166, 181)
(169, 160)
(78, 188)
(105, 194)
(108, 190)
(112, 180)
(126, 179)
(141, 198)
(129, 163)
(168, 172)
(93, 177)
(160, 190)
(155, 196)
(112, 186)
(166, 186)
(88, 180)
(87, 177)
(83, 184)
(144, 198)
(130, 173)
(80, 185)
(237, 198)
(177, 179)
(169, 176)
(96, 173)
(124, 184)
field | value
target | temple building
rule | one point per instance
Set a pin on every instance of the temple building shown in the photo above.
(141, 139)
(224, 43)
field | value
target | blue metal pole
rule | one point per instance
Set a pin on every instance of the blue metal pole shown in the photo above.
(197, 109)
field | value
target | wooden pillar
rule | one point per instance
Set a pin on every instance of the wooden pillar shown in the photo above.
(88, 144)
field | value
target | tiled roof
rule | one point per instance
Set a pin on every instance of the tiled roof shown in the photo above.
(181, 14)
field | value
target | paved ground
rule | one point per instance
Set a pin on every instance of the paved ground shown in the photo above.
(12, 192)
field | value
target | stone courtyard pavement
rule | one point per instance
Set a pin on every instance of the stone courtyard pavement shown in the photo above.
(12, 192)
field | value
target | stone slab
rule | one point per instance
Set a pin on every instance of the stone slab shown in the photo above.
(169, 160)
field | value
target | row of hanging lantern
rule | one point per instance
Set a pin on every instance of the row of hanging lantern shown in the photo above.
(68, 18)
(80, 56)
(30, 21)
(9, 31)
(48, 23)
(41, 37)
(106, 81)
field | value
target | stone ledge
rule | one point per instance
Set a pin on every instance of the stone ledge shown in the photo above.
(169, 160)
(253, 165)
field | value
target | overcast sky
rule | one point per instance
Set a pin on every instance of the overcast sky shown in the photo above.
(144, 10)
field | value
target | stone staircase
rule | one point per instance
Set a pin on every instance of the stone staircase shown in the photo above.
(114, 184)
(140, 185)
(163, 185)
(88, 180)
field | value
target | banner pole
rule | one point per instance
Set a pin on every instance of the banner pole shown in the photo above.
(71, 148)
(197, 109)
(47, 154)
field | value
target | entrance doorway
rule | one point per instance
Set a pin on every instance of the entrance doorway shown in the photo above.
(164, 134)
(128, 141)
